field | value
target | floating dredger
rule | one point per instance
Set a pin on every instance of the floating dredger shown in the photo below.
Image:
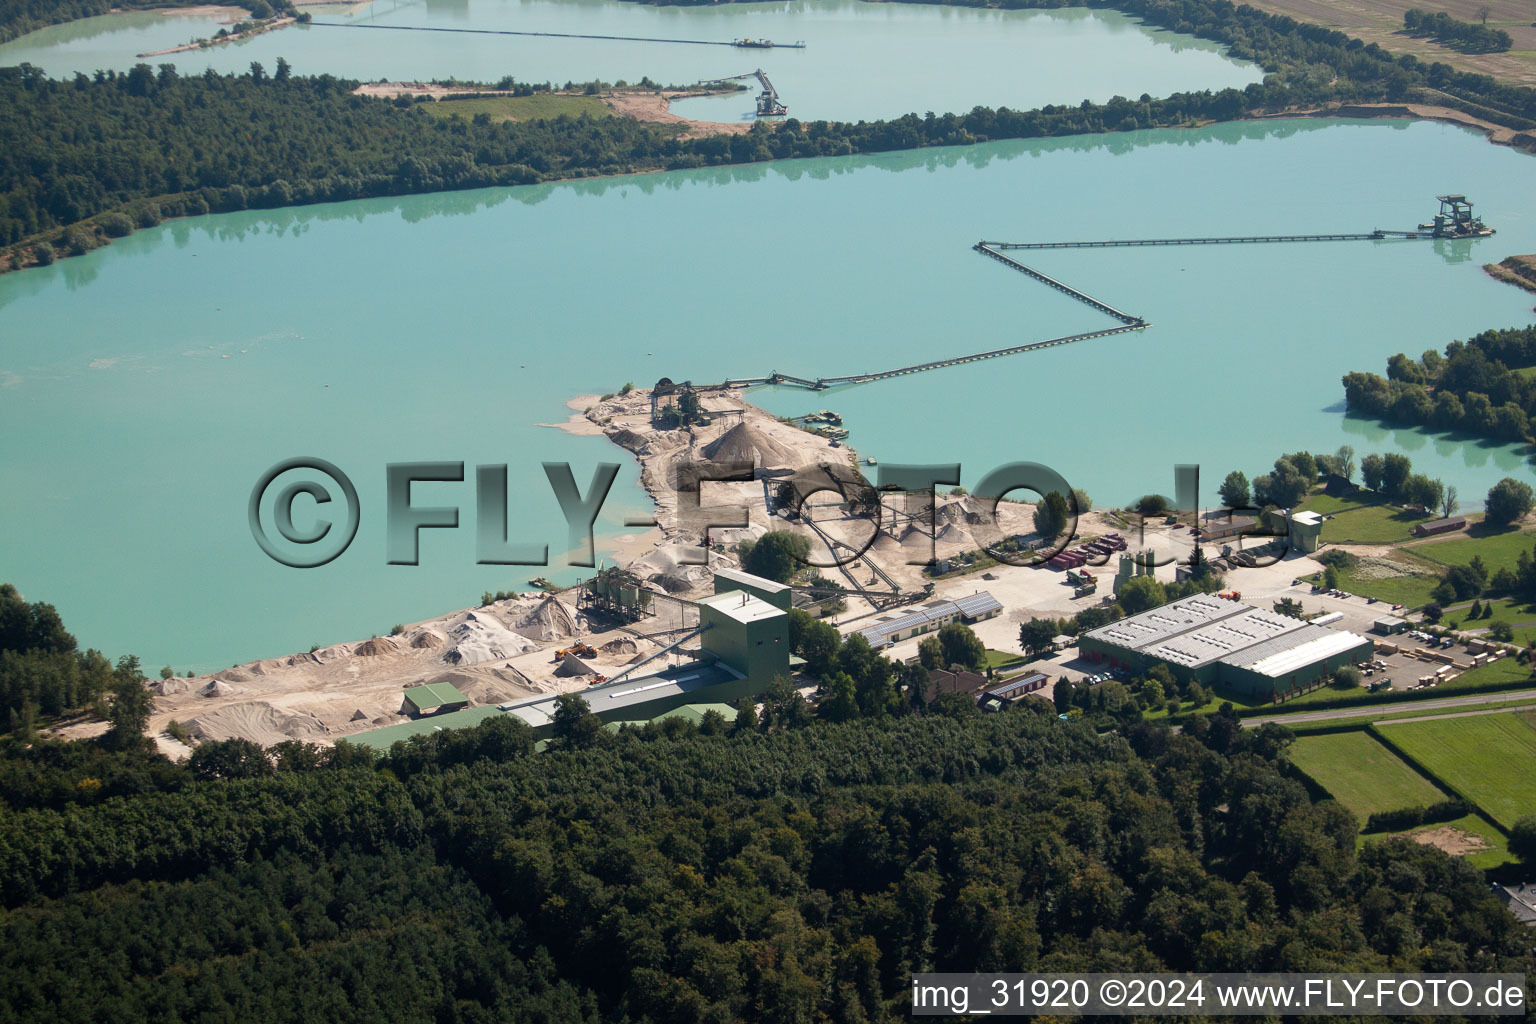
(1455, 220)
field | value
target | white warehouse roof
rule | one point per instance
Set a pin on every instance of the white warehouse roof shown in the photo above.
(1293, 651)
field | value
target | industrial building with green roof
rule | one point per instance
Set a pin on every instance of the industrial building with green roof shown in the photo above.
(1213, 640)
(433, 698)
(743, 643)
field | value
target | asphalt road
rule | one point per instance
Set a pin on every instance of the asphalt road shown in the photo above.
(1471, 700)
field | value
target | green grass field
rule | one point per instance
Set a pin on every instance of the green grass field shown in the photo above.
(521, 108)
(1488, 759)
(1497, 550)
(1362, 774)
(1328, 505)
(1505, 670)
(1412, 588)
(1371, 524)
(1511, 611)
(1002, 659)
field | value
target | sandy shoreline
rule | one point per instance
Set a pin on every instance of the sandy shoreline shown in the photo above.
(227, 13)
(657, 109)
(651, 107)
(1496, 134)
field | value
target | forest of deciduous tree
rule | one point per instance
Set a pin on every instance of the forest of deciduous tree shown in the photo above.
(787, 868)
(1476, 387)
(795, 875)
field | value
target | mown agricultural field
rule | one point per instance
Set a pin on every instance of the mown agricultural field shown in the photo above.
(1498, 550)
(1362, 773)
(1487, 759)
(1370, 524)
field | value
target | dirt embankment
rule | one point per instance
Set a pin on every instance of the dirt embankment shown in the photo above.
(1519, 271)
(642, 105)
(656, 108)
(390, 90)
(1454, 841)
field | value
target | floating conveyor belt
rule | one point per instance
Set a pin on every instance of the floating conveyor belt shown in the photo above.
(1376, 235)
(988, 249)
(544, 35)
(995, 250)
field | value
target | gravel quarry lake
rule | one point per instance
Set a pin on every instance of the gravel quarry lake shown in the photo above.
(449, 326)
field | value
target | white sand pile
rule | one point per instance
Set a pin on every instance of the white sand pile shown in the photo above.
(628, 439)
(277, 666)
(426, 639)
(550, 620)
(234, 675)
(498, 688)
(379, 645)
(906, 539)
(745, 443)
(730, 538)
(664, 566)
(662, 559)
(166, 687)
(574, 666)
(952, 534)
(479, 638)
(258, 722)
(218, 688)
(335, 652)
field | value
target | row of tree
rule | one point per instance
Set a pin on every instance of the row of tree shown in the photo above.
(1287, 484)
(1466, 36)
(1295, 475)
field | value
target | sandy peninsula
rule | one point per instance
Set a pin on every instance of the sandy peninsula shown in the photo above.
(507, 650)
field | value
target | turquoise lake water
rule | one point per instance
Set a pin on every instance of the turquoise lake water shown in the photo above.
(862, 60)
(447, 326)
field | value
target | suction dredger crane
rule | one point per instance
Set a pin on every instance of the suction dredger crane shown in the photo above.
(768, 102)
